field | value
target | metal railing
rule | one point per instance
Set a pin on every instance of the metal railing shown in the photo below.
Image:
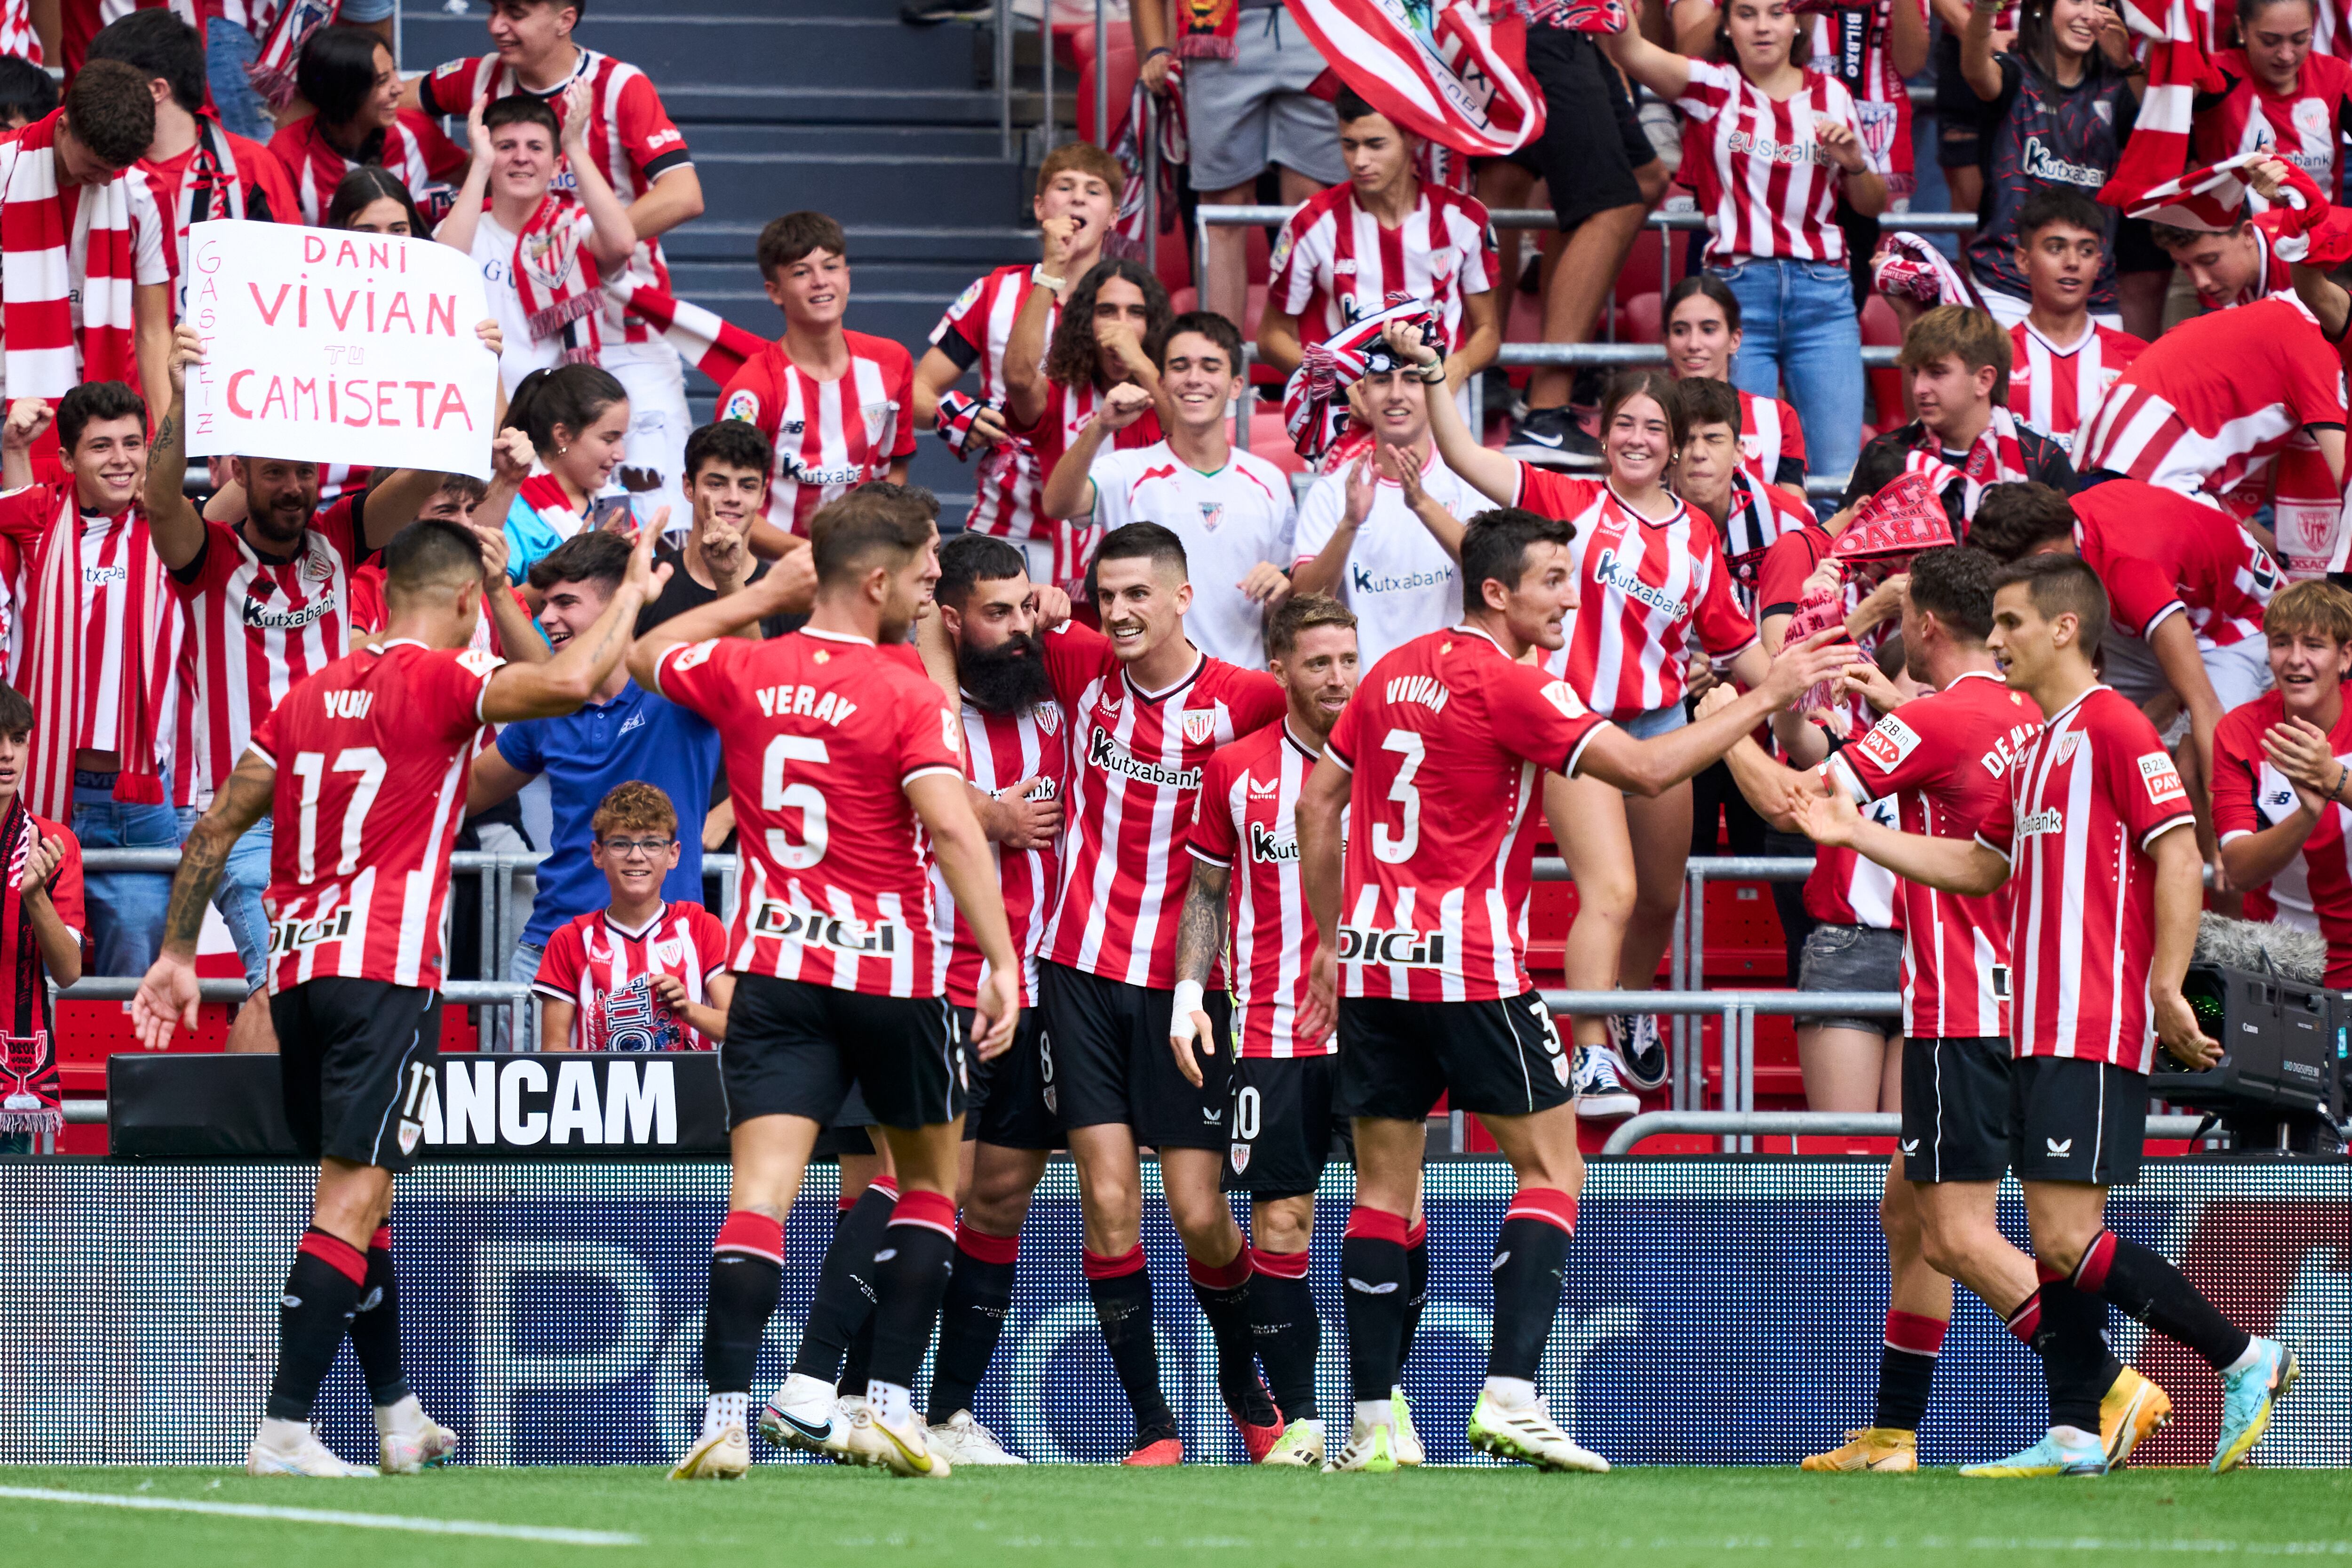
(1795, 1124)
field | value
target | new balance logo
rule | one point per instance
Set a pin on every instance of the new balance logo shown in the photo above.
(2058, 1149)
(1385, 1288)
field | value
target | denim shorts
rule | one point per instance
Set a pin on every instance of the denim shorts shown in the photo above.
(1851, 958)
(1652, 722)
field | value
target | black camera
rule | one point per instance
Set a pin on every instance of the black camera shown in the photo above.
(2283, 1047)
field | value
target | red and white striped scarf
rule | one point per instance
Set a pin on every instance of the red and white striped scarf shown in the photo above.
(1460, 83)
(34, 1102)
(42, 261)
(1998, 458)
(1127, 241)
(272, 74)
(16, 35)
(2179, 35)
(55, 669)
(556, 282)
(712, 345)
(1910, 266)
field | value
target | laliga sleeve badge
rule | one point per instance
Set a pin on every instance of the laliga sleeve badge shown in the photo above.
(741, 405)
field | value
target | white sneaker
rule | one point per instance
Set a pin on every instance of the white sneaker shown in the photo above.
(1409, 1452)
(902, 1451)
(1600, 1095)
(1529, 1435)
(411, 1440)
(1301, 1446)
(838, 1448)
(1370, 1448)
(963, 1440)
(292, 1449)
(724, 1456)
(800, 1415)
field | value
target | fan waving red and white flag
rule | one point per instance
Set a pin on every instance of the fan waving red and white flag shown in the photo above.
(1460, 84)
(2179, 36)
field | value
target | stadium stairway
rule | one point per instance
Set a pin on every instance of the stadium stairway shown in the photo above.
(827, 104)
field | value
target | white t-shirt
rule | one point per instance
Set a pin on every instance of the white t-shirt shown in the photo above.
(494, 248)
(1229, 521)
(1399, 580)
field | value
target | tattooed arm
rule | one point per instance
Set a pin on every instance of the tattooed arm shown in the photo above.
(1199, 937)
(168, 995)
(179, 531)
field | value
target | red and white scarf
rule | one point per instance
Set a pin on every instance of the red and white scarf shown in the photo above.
(556, 281)
(16, 35)
(1315, 402)
(1461, 83)
(1998, 458)
(2304, 226)
(712, 345)
(42, 261)
(33, 1099)
(212, 186)
(272, 74)
(1909, 265)
(54, 670)
(2179, 35)
(1127, 241)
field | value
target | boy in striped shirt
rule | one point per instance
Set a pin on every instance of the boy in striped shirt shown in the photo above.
(2065, 360)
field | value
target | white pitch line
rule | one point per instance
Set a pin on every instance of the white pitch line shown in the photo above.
(332, 1516)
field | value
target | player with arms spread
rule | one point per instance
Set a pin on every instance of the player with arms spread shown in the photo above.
(847, 767)
(2100, 959)
(1422, 940)
(365, 763)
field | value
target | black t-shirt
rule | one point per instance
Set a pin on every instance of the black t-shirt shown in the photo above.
(682, 593)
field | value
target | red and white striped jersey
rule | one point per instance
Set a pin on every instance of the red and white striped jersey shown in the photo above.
(221, 175)
(1447, 741)
(2331, 29)
(103, 614)
(2159, 552)
(414, 149)
(371, 754)
(1852, 44)
(2314, 891)
(1765, 185)
(2210, 401)
(2095, 790)
(822, 733)
(257, 626)
(1947, 757)
(631, 138)
(1247, 824)
(2303, 127)
(1008, 483)
(606, 971)
(1333, 262)
(2058, 390)
(1648, 591)
(1002, 750)
(80, 21)
(830, 436)
(1762, 513)
(1135, 771)
(1770, 435)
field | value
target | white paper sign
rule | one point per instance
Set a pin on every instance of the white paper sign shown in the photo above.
(335, 347)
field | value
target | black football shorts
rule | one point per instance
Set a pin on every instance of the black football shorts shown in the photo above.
(1502, 1057)
(1106, 1060)
(1955, 1108)
(2076, 1121)
(355, 1058)
(796, 1049)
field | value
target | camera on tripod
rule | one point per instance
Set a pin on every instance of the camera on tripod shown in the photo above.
(2279, 1084)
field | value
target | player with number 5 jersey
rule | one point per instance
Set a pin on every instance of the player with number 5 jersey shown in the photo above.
(363, 765)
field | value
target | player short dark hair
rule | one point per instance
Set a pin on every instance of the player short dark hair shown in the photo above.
(361, 186)
(157, 44)
(523, 108)
(1144, 542)
(111, 112)
(737, 443)
(1955, 585)
(1210, 325)
(913, 495)
(2014, 518)
(336, 71)
(788, 239)
(1301, 613)
(572, 395)
(970, 558)
(430, 553)
(845, 535)
(633, 806)
(1703, 400)
(1495, 544)
(26, 91)
(597, 555)
(1707, 283)
(1881, 464)
(2062, 585)
(92, 402)
(15, 712)
(2059, 203)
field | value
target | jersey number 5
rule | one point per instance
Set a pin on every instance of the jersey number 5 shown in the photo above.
(1397, 846)
(310, 768)
(776, 795)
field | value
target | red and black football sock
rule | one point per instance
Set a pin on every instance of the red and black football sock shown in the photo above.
(1906, 1368)
(910, 1275)
(2144, 1285)
(1223, 1290)
(1372, 1266)
(2072, 1341)
(845, 1285)
(314, 1312)
(1121, 1289)
(1530, 1260)
(747, 1275)
(375, 1324)
(971, 1317)
(1416, 1283)
(1290, 1335)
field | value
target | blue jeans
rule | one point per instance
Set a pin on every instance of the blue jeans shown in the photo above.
(244, 880)
(228, 49)
(125, 907)
(1797, 328)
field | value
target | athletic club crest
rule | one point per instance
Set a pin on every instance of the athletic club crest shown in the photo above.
(1049, 716)
(1213, 513)
(1199, 727)
(551, 256)
(1239, 1155)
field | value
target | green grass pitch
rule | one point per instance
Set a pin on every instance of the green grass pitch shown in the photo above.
(1047, 1517)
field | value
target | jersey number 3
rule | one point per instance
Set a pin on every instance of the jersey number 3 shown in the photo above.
(1397, 846)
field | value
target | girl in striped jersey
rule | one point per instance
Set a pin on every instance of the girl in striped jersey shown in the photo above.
(1776, 144)
(1703, 338)
(349, 78)
(2281, 95)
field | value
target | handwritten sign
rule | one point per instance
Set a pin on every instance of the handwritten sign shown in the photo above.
(337, 347)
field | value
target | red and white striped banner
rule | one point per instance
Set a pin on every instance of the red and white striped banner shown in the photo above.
(1460, 84)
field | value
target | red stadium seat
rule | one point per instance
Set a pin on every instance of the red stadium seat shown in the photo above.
(1270, 441)
(1122, 56)
(1641, 319)
(1881, 329)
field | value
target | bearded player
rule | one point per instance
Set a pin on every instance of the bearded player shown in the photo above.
(846, 764)
(1439, 762)
(1245, 847)
(364, 762)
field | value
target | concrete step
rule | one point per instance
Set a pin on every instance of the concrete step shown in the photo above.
(722, 236)
(769, 51)
(863, 189)
(832, 140)
(708, 282)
